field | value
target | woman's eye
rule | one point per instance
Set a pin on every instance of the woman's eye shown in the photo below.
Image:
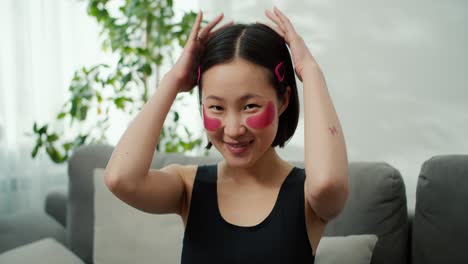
(251, 105)
(217, 108)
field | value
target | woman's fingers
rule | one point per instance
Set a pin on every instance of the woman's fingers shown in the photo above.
(275, 19)
(275, 28)
(196, 26)
(284, 20)
(221, 27)
(206, 30)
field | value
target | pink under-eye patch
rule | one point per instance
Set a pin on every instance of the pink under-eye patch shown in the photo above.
(211, 124)
(263, 119)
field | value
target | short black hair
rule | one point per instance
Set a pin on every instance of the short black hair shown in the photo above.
(258, 44)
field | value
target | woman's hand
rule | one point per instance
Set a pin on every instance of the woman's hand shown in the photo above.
(185, 70)
(300, 53)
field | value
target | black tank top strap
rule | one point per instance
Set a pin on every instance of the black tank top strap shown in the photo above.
(292, 201)
(292, 188)
(203, 203)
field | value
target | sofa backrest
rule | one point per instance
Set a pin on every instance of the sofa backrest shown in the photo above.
(80, 208)
(440, 229)
(376, 205)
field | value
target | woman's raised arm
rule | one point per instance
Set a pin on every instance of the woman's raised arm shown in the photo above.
(128, 173)
(326, 162)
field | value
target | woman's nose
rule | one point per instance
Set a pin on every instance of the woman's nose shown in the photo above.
(234, 127)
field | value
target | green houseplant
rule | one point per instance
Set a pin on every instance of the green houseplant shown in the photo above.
(143, 34)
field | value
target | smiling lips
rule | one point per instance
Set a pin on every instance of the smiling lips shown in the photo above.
(258, 121)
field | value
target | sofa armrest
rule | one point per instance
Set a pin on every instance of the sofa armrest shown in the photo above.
(25, 227)
(410, 233)
(56, 205)
(46, 250)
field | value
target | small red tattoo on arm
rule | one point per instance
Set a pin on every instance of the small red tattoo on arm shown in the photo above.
(333, 130)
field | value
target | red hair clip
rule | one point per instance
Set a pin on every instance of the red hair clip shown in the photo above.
(279, 75)
(198, 77)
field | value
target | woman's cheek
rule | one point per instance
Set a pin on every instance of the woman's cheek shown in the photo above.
(211, 124)
(263, 119)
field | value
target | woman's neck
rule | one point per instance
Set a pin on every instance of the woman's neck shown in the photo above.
(263, 171)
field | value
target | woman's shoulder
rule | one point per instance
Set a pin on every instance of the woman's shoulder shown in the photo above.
(189, 171)
(190, 168)
(297, 165)
(294, 164)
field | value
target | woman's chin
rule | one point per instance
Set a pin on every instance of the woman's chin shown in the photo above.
(237, 161)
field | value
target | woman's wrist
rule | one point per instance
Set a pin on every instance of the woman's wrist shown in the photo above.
(169, 84)
(172, 78)
(310, 63)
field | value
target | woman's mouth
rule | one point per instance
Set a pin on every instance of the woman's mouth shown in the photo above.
(238, 148)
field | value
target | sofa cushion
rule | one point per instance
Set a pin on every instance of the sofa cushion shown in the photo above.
(25, 227)
(376, 205)
(124, 234)
(46, 250)
(353, 249)
(80, 209)
(440, 231)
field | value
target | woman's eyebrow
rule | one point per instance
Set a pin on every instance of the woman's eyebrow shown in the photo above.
(242, 98)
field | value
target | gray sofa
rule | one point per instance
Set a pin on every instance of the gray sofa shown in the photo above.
(436, 232)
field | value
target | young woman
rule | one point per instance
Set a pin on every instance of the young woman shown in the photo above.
(253, 206)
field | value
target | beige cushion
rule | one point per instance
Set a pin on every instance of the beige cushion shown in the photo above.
(123, 234)
(353, 249)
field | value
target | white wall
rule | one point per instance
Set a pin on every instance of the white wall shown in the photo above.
(397, 74)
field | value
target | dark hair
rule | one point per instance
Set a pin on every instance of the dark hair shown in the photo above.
(258, 44)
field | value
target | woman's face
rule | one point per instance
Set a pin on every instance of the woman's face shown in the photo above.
(240, 111)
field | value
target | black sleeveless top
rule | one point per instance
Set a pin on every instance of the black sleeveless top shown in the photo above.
(280, 238)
